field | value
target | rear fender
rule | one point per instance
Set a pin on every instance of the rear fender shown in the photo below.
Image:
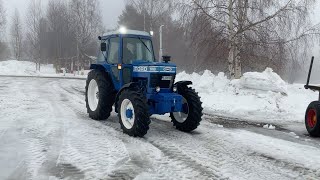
(98, 67)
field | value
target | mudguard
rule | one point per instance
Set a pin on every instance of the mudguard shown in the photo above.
(129, 85)
(98, 67)
(183, 83)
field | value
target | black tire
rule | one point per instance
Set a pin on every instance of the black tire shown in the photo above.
(141, 122)
(313, 124)
(194, 108)
(106, 95)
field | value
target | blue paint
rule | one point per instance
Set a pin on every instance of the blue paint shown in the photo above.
(129, 113)
(162, 102)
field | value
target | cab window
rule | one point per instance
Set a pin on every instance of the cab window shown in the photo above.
(113, 54)
(102, 54)
(137, 49)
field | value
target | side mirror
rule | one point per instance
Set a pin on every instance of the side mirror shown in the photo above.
(166, 59)
(103, 47)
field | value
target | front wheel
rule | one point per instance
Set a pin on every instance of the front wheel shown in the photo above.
(312, 119)
(190, 117)
(133, 112)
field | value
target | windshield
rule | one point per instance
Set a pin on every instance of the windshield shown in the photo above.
(137, 49)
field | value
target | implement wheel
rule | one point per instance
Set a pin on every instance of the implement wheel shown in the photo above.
(312, 119)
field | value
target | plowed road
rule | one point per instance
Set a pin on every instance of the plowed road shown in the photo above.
(45, 133)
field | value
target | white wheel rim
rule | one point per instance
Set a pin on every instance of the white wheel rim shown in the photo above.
(181, 117)
(127, 121)
(93, 95)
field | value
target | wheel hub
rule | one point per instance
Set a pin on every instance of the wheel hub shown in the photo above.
(312, 118)
(127, 113)
(181, 117)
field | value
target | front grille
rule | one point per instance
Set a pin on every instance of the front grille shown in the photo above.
(161, 80)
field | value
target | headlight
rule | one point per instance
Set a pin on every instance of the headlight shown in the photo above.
(174, 89)
(158, 89)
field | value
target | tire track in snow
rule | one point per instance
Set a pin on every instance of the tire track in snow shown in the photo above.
(86, 146)
(187, 162)
(226, 157)
(135, 163)
(27, 128)
(208, 156)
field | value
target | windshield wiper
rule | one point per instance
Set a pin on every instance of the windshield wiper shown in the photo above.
(145, 45)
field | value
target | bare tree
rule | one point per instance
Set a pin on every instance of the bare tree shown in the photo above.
(86, 24)
(152, 10)
(61, 36)
(33, 20)
(16, 34)
(253, 21)
(3, 19)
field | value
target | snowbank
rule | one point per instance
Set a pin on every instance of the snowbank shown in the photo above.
(26, 68)
(266, 81)
(21, 68)
(260, 97)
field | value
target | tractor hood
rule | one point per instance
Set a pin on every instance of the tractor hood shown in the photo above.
(153, 67)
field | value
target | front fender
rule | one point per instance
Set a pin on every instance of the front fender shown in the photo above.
(181, 85)
(126, 86)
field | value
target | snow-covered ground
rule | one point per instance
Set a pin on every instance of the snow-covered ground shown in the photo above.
(26, 68)
(45, 133)
(259, 97)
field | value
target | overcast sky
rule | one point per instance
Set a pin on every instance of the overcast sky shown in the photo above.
(110, 10)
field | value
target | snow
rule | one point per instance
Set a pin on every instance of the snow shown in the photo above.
(265, 81)
(269, 126)
(257, 96)
(52, 137)
(26, 68)
(261, 97)
(23, 68)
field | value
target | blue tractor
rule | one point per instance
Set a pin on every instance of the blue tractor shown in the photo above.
(128, 77)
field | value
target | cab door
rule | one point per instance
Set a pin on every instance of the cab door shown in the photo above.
(113, 59)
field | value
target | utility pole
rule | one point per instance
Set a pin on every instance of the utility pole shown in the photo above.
(144, 20)
(161, 48)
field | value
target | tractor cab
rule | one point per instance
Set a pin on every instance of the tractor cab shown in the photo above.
(128, 76)
(129, 55)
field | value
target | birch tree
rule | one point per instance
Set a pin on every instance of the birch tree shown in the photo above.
(239, 20)
(16, 34)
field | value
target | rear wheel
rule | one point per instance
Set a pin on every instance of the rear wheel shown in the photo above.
(100, 95)
(312, 119)
(189, 119)
(133, 112)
